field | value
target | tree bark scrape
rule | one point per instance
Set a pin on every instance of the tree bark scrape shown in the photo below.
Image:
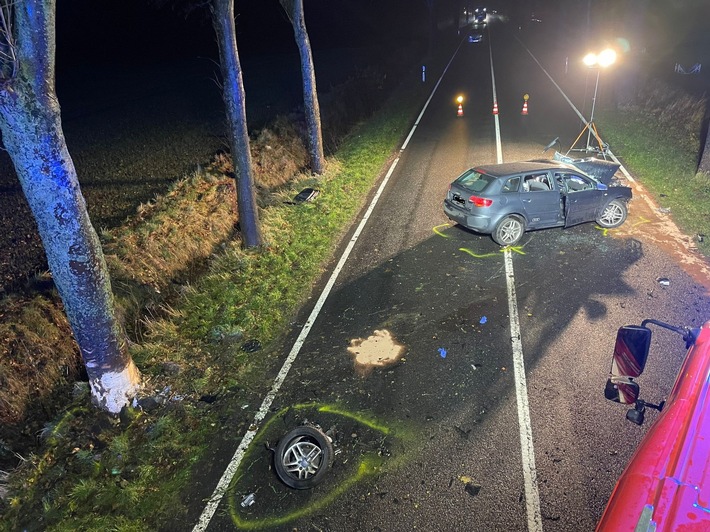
(32, 134)
(115, 389)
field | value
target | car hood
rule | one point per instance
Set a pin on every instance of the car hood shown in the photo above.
(597, 168)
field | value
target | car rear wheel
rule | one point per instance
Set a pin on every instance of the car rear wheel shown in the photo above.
(509, 231)
(613, 215)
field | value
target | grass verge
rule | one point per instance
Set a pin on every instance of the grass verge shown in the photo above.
(99, 473)
(665, 161)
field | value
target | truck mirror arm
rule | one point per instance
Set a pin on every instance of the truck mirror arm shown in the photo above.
(637, 413)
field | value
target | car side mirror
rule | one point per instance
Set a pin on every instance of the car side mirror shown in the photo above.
(602, 186)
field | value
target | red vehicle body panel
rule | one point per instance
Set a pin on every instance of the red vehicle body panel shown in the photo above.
(669, 472)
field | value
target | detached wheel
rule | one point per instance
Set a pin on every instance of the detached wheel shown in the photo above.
(613, 215)
(303, 457)
(509, 231)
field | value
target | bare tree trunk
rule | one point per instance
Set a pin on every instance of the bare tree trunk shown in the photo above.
(704, 166)
(32, 134)
(234, 101)
(294, 10)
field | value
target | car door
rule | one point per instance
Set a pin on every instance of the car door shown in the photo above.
(541, 200)
(583, 199)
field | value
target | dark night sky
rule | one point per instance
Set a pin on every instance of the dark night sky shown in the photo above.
(132, 31)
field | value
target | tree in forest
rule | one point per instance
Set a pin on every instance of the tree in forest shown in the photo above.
(294, 11)
(235, 104)
(32, 135)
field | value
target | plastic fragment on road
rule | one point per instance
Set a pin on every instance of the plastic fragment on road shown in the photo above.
(442, 352)
(248, 500)
(664, 281)
(483, 320)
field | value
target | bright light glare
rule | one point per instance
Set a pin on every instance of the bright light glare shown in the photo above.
(603, 59)
(459, 99)
(606, 57)
(590, 60)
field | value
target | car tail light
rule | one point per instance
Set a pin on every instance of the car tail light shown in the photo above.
(480, 202)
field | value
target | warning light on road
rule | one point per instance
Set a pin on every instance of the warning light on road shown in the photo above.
(459, 111)
(526, 97)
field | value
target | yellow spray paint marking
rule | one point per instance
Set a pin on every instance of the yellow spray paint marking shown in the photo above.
(476, 256)
(436, 230)
(604, 230)
(642, 220)
(368, 465)
(514, 249)
(377, 350)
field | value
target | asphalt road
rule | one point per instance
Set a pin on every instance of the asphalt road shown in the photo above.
(431, 440)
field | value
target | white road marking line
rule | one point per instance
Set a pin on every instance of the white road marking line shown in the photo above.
(532, 496)
(527, 451)
(231, 469)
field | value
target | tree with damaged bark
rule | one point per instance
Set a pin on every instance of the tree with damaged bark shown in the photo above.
(234, 101)
(294, 11)
(32, 135)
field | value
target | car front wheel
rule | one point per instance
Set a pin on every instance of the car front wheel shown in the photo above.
(613, 215)
(509, 231)
(303, 457)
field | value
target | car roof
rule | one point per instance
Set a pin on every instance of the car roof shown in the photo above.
(506, 169)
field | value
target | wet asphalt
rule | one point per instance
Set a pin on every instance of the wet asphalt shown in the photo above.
(432, 440)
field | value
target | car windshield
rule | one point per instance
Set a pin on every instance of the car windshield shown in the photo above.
(474, 181)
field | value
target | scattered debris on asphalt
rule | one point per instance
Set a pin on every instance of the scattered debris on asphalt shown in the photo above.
(470, 486)
(442, 352)
(248, 500)
(664, 281)
(483, 320)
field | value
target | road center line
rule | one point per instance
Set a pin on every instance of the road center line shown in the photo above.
(532, 496)
(224, 482)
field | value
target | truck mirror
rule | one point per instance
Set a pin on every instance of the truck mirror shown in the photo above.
(622, 391)
(630, 351)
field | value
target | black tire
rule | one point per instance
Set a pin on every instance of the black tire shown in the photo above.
(509, 231)
(613, 214)
(303, 457)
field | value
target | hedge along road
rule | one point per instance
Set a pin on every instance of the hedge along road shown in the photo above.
(434, 364)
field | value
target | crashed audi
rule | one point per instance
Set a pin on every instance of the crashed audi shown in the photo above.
(506, 200)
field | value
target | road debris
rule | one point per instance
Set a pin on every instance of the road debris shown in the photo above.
(248, 500)
(442, 352)
(664, 281)
(483, 320)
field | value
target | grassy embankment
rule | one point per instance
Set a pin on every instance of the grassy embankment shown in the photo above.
(658, 140)
(96, 473)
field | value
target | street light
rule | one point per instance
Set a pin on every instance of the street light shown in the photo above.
(601, 60)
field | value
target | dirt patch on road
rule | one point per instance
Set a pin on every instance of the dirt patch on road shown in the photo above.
(647, 221)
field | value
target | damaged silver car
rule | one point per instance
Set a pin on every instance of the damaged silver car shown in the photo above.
(506, 200)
